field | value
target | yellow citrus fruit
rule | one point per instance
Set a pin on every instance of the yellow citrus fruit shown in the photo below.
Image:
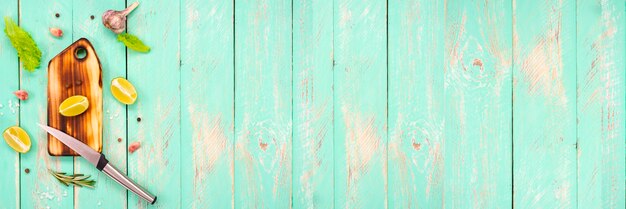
(17, 139)
(123, 91)
(73, 106)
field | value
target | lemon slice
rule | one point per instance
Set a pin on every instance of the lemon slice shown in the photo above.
(17, 139)
(73, 106)
(123, 91)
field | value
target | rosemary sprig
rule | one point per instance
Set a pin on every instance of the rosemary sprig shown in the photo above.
(76, 179)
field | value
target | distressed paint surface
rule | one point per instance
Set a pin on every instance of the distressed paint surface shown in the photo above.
(313, 104)
(37, 188)
(360, 102)
(544, 104)
(207, 99)
(263, 104)
(9, 115)
(154, 119)
(416, 104)
(601, 80)
(477, 146)
(112, 58)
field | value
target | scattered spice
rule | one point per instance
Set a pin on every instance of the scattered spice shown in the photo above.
(46, 195)
(417, 146)
(478, 63)
(27, 170)
(79, 180)
(132, 42)
(134, 147)
(14, 106)
(119, 139)
(56, 32)
(21, 94)
(26, 48)
(263, 146)
(116, 20)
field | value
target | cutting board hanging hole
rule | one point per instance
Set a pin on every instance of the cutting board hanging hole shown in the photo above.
(80, 53)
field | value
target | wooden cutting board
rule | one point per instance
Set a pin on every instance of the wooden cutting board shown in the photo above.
(75, 71)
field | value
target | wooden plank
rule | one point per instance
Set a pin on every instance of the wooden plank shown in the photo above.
(9, 114)
(154, 119)
(263, 103)
(313, 104)
(601, 78)
(478, 152)
(360, 104)
(38, 189)
(416, 103)
(207, 149)
(112, 54)
(545, 104)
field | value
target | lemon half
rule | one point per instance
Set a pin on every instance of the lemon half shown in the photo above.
(123, 91)
(73, 106)
(17, 139)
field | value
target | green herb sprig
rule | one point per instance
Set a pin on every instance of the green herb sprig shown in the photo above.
(26, 48)
(76, 179)
(132, 42)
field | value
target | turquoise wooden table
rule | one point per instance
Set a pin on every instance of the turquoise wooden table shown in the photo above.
(337, 104)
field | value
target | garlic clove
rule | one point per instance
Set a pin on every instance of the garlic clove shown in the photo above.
(21, 94)
(116, 20)
(134, 147)
(56, 32)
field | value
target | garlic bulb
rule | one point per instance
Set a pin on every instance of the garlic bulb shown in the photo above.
(116, 20)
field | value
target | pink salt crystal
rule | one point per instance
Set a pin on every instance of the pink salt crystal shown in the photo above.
(56, 32)
(21, 94)
(133, 147)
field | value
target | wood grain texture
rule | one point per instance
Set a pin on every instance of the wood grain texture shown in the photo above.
(37, 188)
(416, 104)
(207, 109)
(477, 109)
(601, 78)
(263, 103)
(9, 113)
(360, 104)
(478, 96)
(544, 104)
(154, 120)
(112, 55)
(313, 104)
(70, 76)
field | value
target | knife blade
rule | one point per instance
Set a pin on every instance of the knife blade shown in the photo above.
(101, 163)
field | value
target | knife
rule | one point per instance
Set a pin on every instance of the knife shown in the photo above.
(100, 162)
